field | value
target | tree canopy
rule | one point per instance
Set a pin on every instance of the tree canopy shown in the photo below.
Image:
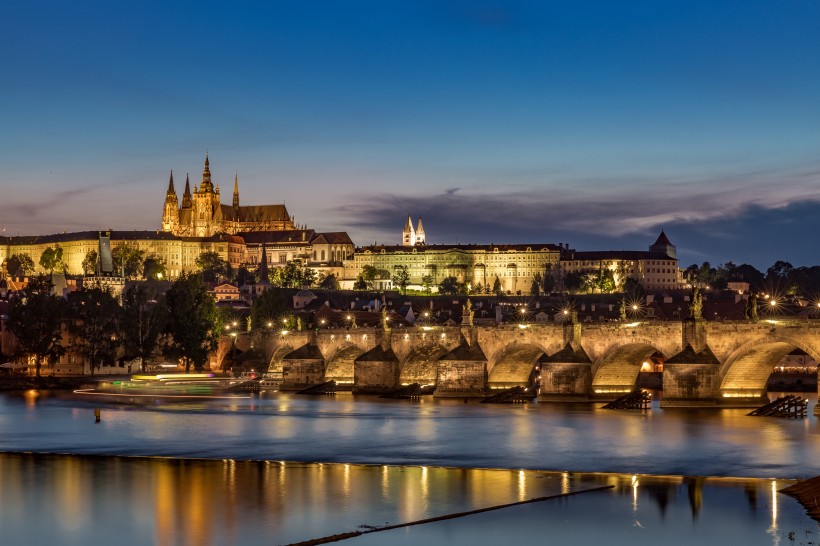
(193, 321)
(35, 317)
(213, 267)
(94, 315)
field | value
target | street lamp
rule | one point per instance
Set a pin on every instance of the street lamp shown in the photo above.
(233, 350)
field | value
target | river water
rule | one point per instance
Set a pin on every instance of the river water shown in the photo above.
(256, 476)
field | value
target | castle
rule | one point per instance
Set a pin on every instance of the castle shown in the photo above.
(203, 215)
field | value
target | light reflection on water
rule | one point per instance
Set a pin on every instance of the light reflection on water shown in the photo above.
(134, 501)
(434, 433)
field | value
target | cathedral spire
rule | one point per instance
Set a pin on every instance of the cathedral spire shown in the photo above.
(171, 185)
(420, 237)
(206, 185)
(186, 197)
(236, 191)
(408, 234)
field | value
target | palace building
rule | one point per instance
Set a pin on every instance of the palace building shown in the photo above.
(202, 214)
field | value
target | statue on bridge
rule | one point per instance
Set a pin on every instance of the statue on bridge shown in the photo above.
(467, 313)
(385, 319)
(622, 311)
(696, 304)
(750, 312)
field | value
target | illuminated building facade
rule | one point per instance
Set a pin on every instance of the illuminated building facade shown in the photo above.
(201, 214)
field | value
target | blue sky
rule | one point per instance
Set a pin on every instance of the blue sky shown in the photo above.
(591, 123)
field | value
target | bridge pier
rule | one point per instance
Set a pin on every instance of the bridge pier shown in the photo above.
(376, 371)
(691, 379)
(462, 373)
(566, 376)
(303, 368)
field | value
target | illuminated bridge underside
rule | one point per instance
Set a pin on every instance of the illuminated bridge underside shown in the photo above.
(514, 367)
(750, 371)
(420, 366)
(618, 372)
(275, 363)
(340, 365)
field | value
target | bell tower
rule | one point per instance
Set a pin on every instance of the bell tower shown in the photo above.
(170, 213)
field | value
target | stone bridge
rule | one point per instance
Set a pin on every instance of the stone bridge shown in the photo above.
(705, 363)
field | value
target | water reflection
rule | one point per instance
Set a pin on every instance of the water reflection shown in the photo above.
(102, 500)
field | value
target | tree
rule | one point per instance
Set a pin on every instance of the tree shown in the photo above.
(90, 262)
(213, 267)
(35, 318)
(368, 275)
(142, 321)
(270, 306)
(51, 258)
(449, 286)
(573, 281)
(498, 290)
(535, 287)
(245, 276)
(290, 276)
(192, 321)
(401, 278)
(19, 265)
(153, 268)
(129, 260)
(94, 315)
(329, 282)
(427, 283)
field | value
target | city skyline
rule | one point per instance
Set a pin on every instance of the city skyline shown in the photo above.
(505, 122)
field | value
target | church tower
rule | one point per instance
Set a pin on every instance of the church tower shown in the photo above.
(663, 246)
(408, 234)
(170, 213)
(205, 202)
(420, 238)
(186, 197)
(236, 191)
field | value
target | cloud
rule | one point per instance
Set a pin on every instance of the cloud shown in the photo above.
(748, 217)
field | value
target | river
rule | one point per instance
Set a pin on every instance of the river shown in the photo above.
(254, 470)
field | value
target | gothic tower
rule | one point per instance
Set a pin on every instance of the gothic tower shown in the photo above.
(663, 246)
(205, 202)
(170, 213)
(420, 237)
(186, 197)
(236, 191)
(408, 234)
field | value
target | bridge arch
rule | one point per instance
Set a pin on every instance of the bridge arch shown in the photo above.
(420, 365)
(617, 370)
(747, 369)
(339, 366)
(275, 361)
(514, 365)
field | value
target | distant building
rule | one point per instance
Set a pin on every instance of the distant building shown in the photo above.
(656, 269)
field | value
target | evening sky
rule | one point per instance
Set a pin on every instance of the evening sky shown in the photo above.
(591, 123)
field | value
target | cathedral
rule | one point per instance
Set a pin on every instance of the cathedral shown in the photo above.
(201, 213)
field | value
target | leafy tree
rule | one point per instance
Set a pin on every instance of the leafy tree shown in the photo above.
(270, 306)
(308, 277)
(245, 276)
(52, 258)
(427, 283)
(360, 284)
(143, 318)
(192, 321)
(19, 265)
(479, 288)
(289, 276)
(498, 290)
(129, 260)
(35, 317)
(535, 287)
(401, 278)
(449, 285)
(573, 281)
(213, 267)
(631, 286)
(90, 262)
(94, 315)
(153, 268)
(369, 274)
(329, 282)
(548, 283)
